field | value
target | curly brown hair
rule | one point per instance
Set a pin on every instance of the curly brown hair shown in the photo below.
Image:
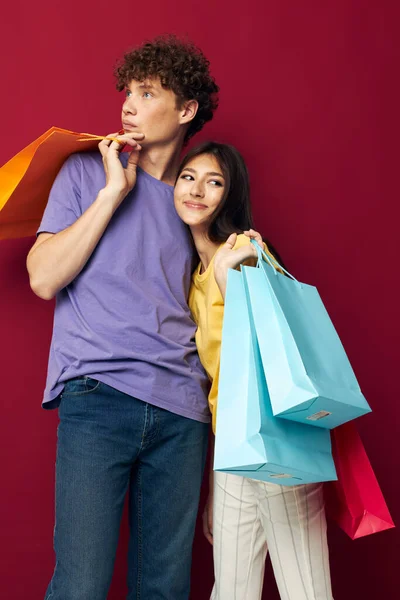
(181, 67)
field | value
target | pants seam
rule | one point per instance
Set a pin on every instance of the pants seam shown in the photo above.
(140, 532)
(146, 418)
(257, 523)
(275, 541)
(300, 521)
(238, 533)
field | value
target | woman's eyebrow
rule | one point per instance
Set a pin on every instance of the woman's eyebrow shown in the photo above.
(213, 173)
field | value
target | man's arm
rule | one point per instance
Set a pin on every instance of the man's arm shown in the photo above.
(56, 259)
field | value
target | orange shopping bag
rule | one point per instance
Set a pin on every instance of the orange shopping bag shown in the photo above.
(26, 179)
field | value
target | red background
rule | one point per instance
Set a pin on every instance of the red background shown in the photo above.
(310, 95)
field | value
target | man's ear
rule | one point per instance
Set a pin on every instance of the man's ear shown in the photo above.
(189, 111)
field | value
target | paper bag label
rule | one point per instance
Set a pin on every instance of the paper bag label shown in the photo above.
(319, 415)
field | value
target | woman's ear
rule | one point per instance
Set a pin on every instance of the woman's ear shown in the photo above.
(189, 111)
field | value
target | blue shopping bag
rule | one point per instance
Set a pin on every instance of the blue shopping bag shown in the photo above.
(249, 440)
(309, 376)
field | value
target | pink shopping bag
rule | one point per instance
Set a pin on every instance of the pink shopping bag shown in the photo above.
(355, 501)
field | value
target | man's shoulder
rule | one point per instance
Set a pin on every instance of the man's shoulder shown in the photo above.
(88, 161)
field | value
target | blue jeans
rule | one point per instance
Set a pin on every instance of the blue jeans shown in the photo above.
(109, 443)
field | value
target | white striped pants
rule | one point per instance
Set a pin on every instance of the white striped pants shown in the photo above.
(251, 518)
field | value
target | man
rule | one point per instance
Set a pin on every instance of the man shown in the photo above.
(123, 367)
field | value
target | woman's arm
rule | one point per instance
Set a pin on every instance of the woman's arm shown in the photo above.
(226, 258)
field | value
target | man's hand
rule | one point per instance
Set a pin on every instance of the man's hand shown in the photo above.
(228, 258)
(120, 181)
(208, 519)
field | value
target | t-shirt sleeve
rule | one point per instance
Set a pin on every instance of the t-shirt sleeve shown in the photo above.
(64, 204)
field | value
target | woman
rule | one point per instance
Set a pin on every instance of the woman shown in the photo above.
(244, 518)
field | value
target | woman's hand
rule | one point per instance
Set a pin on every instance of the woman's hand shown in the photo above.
(254, 235)
(228, 258)
(119, 180)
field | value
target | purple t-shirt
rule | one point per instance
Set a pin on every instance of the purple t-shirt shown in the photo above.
(125, 320)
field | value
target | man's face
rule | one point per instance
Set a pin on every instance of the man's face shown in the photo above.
(152, 110)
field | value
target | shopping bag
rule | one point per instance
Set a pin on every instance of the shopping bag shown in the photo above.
(309, 376)
(249, 440)
(355, 501)
(26, 179)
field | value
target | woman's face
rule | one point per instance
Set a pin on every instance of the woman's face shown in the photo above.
(199, 191)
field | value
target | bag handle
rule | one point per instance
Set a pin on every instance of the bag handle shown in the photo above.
(271, 260)
(86, 137)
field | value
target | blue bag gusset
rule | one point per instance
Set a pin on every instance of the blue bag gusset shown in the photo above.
(250, 441)
(308, 373)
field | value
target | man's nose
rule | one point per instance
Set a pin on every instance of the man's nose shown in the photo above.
(128, 107)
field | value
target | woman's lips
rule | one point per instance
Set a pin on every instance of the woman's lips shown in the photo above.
(195, 205)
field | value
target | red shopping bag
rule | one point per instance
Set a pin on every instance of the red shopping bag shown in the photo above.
(26, 179)
(355, 501)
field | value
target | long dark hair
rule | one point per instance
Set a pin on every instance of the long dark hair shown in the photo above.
(233, 215)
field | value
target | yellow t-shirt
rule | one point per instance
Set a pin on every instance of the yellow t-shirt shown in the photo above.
(207, 306)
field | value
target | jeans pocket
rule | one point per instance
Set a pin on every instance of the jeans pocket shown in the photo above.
(80, 386)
